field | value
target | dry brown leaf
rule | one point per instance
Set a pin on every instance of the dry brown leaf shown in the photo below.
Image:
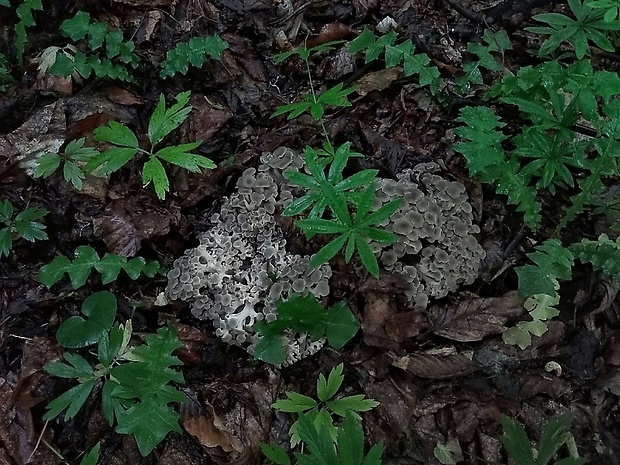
(435, 366)
(473, 318)
(379, 80)
(126, 222)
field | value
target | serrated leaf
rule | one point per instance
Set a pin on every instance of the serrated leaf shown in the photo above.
(117, 134)
(154, 171)
(163, 121)
(92, 457)
(46, 165)
(71, 400)
(193, 52)
(180, 155)
(295, 403)
(6, 241)
(516, 442)
(100, 310)
(149, 422)
(77, 367)
(356, 403)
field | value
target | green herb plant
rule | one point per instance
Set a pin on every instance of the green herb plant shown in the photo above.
(335, 204)
(395, 54)
(95, 49)
(304, 314)
(555, 435)
(323, 442)
(135, 382)
(194, 52)
(86, 259)
(24, 225)
(611, 8)
(73, 159)
(25, 19)
(125, 146)
(591, 24)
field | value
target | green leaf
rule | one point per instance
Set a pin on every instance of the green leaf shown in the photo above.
(154, 171)
(269, 349)
(295, 403)
(26, 225)
(341, 325)
(78, 367)
(149, 422)
(6, 211)
(553, 437)
(350, 441)
(179, 155)
(6, 241)
(275, 453)
(92, 457)
(328, 251)
(76, 332)
(73, 174)
(194, 52)
(516, 442)
(71, 400)
(164, 121)
(327, 388)
(77, 27)
(117, 134)
(553, 261)
(46, 165)
(355, 403)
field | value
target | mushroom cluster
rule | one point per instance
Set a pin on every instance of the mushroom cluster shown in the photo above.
(436, 250)
(242, 268)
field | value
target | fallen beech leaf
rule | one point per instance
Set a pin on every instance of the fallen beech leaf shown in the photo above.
(379, 80)
(473, 318)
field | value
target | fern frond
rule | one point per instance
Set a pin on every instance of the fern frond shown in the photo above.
(603, 254)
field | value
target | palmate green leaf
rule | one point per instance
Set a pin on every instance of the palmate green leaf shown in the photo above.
(100, 310)
(554, 436)
(149, 422)
(46, 165)
(28, 227)
(327, 388)
(320, 444)
(164, 121)
(71, 400)
(320, 226)
(154, 171)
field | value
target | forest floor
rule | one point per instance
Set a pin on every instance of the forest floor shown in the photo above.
(438, 379)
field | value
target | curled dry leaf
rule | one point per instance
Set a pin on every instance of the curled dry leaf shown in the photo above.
(435, 366)
(473, 318)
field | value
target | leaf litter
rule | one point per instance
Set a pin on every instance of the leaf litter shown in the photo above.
(442, 375)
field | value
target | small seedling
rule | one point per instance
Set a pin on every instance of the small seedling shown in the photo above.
(304, 315)
(321, 412)
(24, 225)
(554, 436)
(136, 390)
(126, 147)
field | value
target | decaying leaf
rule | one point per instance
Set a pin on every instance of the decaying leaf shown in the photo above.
(473, 318)
(434, 366)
